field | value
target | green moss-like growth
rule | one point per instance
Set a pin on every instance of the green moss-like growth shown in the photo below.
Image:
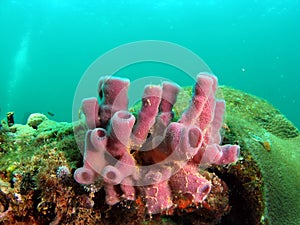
(29, 153)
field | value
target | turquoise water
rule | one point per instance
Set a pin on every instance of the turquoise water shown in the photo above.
(47, 45)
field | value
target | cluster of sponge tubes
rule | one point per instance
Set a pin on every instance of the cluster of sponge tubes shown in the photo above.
(152, 155)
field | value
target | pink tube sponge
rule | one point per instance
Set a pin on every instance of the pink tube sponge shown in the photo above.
(182, 141)
(153, 155)
(119, 136)
(146, 117)
(188, 182)
(202, 101)
(113, 97)
(157, 197)
(230, 154)
(119, 133)
(90, 110)
(94, 162)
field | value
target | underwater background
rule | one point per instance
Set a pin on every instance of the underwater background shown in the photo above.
(46, 46)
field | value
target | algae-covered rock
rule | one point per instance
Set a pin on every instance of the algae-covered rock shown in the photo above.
(36, 119)
(274, 144)
(37, 162)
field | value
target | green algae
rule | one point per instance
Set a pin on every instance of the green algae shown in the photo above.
(23, 142)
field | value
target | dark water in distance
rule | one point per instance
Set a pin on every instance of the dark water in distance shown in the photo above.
(45, 46)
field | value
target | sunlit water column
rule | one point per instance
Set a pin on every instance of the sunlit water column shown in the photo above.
(20, 66)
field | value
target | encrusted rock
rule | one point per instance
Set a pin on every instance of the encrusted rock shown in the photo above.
(35, 119)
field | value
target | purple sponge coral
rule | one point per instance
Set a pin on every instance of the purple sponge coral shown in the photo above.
(152, 155)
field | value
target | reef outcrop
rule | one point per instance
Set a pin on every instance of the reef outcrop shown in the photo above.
(38, 161)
